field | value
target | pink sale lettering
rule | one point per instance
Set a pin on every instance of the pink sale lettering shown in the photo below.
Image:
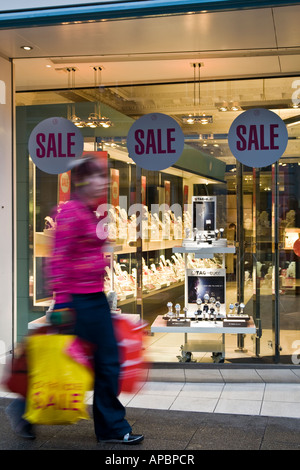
(257, 137)
(52, 145)
(60, 401)
(151, 141)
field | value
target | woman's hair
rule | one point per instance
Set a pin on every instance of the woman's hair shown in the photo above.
(84, 167)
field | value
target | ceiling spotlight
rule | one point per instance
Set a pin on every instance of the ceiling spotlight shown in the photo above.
(188, 119)
(77, 121)
(199, 119)
(93, 121)
(204, 119)
(227, 106)
(26, 48)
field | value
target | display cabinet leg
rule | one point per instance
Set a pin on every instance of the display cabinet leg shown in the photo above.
(240, 344)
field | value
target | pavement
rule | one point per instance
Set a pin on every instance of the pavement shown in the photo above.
(182, 411)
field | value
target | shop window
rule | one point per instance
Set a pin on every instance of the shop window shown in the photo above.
(249, 268)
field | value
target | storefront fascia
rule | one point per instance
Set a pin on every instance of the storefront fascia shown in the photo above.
(38, 17)
(45, 13)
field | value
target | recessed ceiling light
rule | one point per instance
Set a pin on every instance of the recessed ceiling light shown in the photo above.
(27, 48)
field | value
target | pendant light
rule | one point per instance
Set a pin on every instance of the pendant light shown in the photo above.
(71, 108)
(197, 118)
(94, 119)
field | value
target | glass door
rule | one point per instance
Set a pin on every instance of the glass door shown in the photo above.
(256, 255)
(289, 260)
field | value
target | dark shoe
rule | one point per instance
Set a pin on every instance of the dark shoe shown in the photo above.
(128, 439)
(20, 426)
(24, 429)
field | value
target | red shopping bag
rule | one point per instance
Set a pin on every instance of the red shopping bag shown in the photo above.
(15, 374)
(129, 336)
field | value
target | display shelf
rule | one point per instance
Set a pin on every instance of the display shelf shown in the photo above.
(205, 252)
(216, 347)
(43, 243)
(130, 247)
(160, 326)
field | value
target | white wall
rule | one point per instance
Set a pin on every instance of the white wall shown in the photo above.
(6, 209)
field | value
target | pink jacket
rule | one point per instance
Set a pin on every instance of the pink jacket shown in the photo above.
(77, 263)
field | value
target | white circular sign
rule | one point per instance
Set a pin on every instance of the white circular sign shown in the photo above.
(54, 143)
(155, 141)
(258, 137)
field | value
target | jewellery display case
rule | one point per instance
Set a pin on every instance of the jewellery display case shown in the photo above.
(162, 230)
(205, 310)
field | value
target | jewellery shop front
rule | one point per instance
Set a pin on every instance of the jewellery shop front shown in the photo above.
(214, 266)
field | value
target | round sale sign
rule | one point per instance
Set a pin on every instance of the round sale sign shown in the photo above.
(54, 143)
(258, 137)
(155, 141)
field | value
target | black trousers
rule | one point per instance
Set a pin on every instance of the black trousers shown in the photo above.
(94, 324)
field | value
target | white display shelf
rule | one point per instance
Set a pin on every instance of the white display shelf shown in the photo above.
(43, 243)
(205, 251)
(160, 326)
(217, 347)
(130, 247)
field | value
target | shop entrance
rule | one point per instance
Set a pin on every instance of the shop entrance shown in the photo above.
(268, 274)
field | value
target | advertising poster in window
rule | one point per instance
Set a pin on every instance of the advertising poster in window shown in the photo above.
(114, 187)
(144, 182)
(168, 193)
(64, 187)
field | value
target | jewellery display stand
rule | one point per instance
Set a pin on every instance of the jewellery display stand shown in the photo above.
(205, 300)
(205, 288)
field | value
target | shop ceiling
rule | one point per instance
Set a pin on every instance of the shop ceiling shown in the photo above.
(231, 46)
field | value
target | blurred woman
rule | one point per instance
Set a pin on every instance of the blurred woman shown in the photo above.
(77, 269)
